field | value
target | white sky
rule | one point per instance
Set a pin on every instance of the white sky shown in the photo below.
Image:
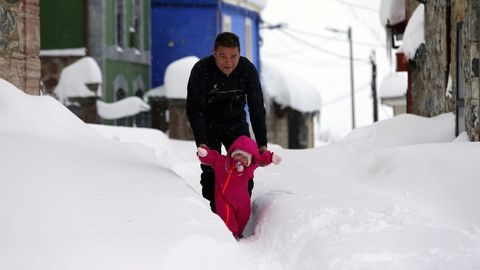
(306, 49)
(396, 195)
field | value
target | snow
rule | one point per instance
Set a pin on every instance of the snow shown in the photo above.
(392, 12)
(176, 77)
(126, 107)
(414, 34)
(258, 3)
(159, 91)
(74, 77)
(64, 52)
(394, 84)
(448, 89)
(288, 90)
(399, 194)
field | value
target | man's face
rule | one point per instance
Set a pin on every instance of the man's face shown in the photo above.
(226, 59)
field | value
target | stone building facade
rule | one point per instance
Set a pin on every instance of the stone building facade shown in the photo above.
(291, 128)
(51, 67)
(451, 50)
(20, 44)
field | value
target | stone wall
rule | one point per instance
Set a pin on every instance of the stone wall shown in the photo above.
(179, 127)
(51, 69)
(290, 128)
(20, 44)
(277, 126)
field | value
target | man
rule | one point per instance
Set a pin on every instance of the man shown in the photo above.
(218, 88)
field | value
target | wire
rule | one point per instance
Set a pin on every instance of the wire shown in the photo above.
(358, 90)
(320, 48)
(286, 44)
(333, 38)
(311, 62)
(356, 5)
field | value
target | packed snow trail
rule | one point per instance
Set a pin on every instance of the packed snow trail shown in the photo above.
(335, 213)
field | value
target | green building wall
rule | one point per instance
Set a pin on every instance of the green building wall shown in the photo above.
(62, 24)
(130, 73)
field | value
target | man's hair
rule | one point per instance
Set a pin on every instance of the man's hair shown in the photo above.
(227, 39)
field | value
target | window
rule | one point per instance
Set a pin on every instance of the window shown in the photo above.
(120, 86)
(136, 28)
(120, 18)
(140, 118)
(227, 23)
(119, 95)
(248, 39)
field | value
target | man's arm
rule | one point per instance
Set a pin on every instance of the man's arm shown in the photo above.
(196, 105)
(256, 106)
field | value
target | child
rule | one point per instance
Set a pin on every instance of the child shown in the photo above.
(232, 172)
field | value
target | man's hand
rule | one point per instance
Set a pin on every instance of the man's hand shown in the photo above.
(262, 150)
(204, 146)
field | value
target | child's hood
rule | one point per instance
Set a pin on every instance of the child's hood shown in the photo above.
(246, 144)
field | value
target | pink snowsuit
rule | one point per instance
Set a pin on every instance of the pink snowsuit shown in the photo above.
(232, 201)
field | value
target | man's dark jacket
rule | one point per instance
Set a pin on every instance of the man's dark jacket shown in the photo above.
(216, 102)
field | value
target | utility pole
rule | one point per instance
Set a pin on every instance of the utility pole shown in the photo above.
(352, 86)
(374, 86)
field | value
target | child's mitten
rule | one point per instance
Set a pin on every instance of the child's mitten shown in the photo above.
(276, 159)
(202, 152)
(267, 158)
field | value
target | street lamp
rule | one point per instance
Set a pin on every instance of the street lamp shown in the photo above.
(349, 34)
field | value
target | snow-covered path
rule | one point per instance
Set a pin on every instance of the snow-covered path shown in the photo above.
(396, 195)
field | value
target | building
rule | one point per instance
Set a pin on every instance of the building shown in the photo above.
(20, 44)
(188, 28)
(185, 30)
(393, 91)
(293, 108)
(116, 33)
(443, 69)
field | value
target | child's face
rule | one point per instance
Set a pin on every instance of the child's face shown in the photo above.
(239, 157)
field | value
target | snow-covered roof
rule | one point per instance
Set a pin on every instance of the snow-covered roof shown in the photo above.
(64, 52)
(176, 76)
(414, 34)
(74, 77)
(288, 90)
(393, 85)
(256, 5)
(126, 107)
(392, 12)
(159, 91)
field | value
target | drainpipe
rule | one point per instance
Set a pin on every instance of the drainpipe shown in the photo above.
(219, 17)
(477, 12)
